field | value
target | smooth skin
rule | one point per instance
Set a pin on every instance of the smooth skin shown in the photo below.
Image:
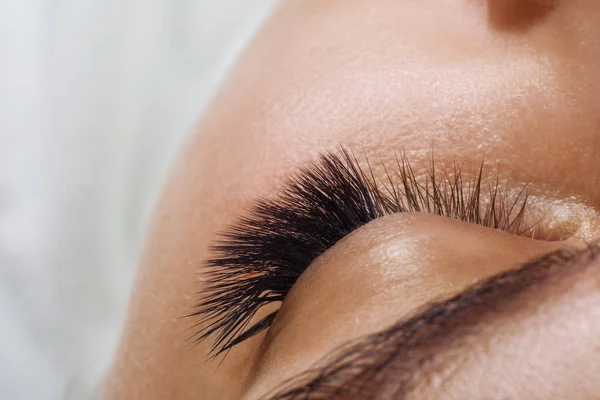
(514, 83)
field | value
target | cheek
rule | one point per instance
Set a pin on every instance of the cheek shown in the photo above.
(391, 87)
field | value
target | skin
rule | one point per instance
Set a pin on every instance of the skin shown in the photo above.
(515, 83)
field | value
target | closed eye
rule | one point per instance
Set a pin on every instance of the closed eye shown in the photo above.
(257, 260)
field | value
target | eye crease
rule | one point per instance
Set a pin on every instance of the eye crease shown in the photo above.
(258, 259)
(421, 345)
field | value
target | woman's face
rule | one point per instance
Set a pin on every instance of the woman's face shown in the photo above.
(510, 85)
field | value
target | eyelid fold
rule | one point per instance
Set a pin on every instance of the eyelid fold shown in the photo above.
(257, 260)
(394, 361)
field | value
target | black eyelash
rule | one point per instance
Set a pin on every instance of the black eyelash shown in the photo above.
(258, 260)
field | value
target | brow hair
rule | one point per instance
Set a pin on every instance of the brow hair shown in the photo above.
(391, 363)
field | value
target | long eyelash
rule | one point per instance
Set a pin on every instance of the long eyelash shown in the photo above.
(257, 261)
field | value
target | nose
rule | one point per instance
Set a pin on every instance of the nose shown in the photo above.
(379, 274)
(510, 15)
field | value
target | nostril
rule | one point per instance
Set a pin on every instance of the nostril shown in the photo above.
(518, 15)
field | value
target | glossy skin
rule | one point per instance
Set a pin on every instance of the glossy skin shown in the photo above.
(516, 83)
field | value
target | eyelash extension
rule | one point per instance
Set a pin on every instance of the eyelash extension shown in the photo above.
(257, 260)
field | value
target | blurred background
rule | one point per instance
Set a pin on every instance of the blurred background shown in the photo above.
(96, 97)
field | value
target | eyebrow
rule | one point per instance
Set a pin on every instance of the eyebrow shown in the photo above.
(393, 362)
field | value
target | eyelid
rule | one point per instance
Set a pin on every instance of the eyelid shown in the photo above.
(258, 259)
(412, 349)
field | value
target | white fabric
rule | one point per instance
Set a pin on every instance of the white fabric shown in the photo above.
(95, 97)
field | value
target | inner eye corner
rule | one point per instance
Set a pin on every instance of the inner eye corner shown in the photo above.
(547, 233)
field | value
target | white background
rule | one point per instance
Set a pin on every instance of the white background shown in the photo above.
(95, 98)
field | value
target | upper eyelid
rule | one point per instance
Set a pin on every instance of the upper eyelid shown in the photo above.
(258, 259)
(441, 321)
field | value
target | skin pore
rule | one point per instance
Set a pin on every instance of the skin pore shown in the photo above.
(514, 83)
